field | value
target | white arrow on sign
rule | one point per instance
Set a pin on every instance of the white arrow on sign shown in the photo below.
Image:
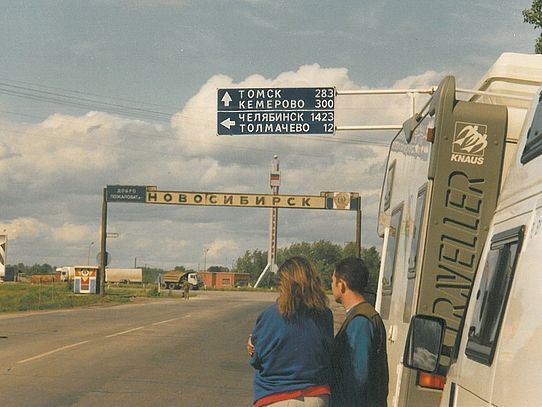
(227, 123)
(226, 99)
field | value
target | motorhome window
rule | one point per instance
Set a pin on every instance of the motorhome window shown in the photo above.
(389, 260)
(389, 186)
(492, 295)
(533, 145)
(413, 258)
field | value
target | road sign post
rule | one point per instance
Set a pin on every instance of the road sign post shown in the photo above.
(103, 244)
(274, 183)
(259, 111)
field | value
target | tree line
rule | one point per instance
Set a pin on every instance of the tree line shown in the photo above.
(322, 254)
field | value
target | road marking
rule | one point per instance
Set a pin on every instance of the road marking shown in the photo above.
(82, 343)
(125, 332)
(167, 320)
(53, 351)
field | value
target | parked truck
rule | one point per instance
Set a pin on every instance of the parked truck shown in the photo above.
(176, 279)
(127, 276)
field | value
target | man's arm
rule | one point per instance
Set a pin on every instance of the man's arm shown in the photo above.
(360, 337)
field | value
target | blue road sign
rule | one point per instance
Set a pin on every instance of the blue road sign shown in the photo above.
(251, 111)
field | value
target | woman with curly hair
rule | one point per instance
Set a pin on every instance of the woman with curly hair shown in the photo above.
(290, 346)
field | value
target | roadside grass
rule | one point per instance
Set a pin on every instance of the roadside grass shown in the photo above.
(25, 296)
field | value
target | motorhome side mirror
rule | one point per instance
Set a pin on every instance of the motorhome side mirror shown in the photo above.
(424, 343)
(410, 125)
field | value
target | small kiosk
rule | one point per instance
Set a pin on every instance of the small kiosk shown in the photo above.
(84, 281)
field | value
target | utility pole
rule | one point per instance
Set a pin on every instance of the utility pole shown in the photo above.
(274, 183)
(205, 259)
(358, 229)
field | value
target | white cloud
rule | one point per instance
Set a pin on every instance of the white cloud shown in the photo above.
(220, 248)
(71, 233)
(424, 80)
(25, 227)
(32, 228)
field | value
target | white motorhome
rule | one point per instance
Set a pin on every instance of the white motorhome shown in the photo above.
(499, 356)
(442, 183)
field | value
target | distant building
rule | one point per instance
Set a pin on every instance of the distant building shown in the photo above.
(45, 278)
(224, 279)
(11, 274)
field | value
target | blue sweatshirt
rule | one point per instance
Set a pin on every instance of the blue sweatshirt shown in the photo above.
(291, 355)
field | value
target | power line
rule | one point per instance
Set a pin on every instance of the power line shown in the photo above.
(33, 93)
(80, 102)
(87, 94)
(67, 95)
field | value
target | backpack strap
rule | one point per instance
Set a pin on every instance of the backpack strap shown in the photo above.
(364, 309)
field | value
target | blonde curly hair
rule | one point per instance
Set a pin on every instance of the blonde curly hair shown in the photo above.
(300, 289)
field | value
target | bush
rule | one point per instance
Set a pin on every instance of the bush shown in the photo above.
(153, 292)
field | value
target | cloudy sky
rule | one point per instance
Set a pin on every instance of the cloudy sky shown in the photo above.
(103, 92)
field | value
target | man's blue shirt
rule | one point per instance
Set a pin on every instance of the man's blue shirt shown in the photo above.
(355, 359)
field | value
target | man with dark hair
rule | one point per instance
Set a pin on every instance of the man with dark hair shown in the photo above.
(359, 359)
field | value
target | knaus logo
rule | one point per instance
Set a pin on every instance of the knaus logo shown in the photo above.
(470, 142)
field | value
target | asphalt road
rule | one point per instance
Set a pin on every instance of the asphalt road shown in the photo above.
(168, 352)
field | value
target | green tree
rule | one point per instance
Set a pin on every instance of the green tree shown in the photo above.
(322, 254)
(217, 269)
(252, 263)
(150, 274)
(349, 249)
(534, 16)
(295, 249)
(371, 257)
(35, 269)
